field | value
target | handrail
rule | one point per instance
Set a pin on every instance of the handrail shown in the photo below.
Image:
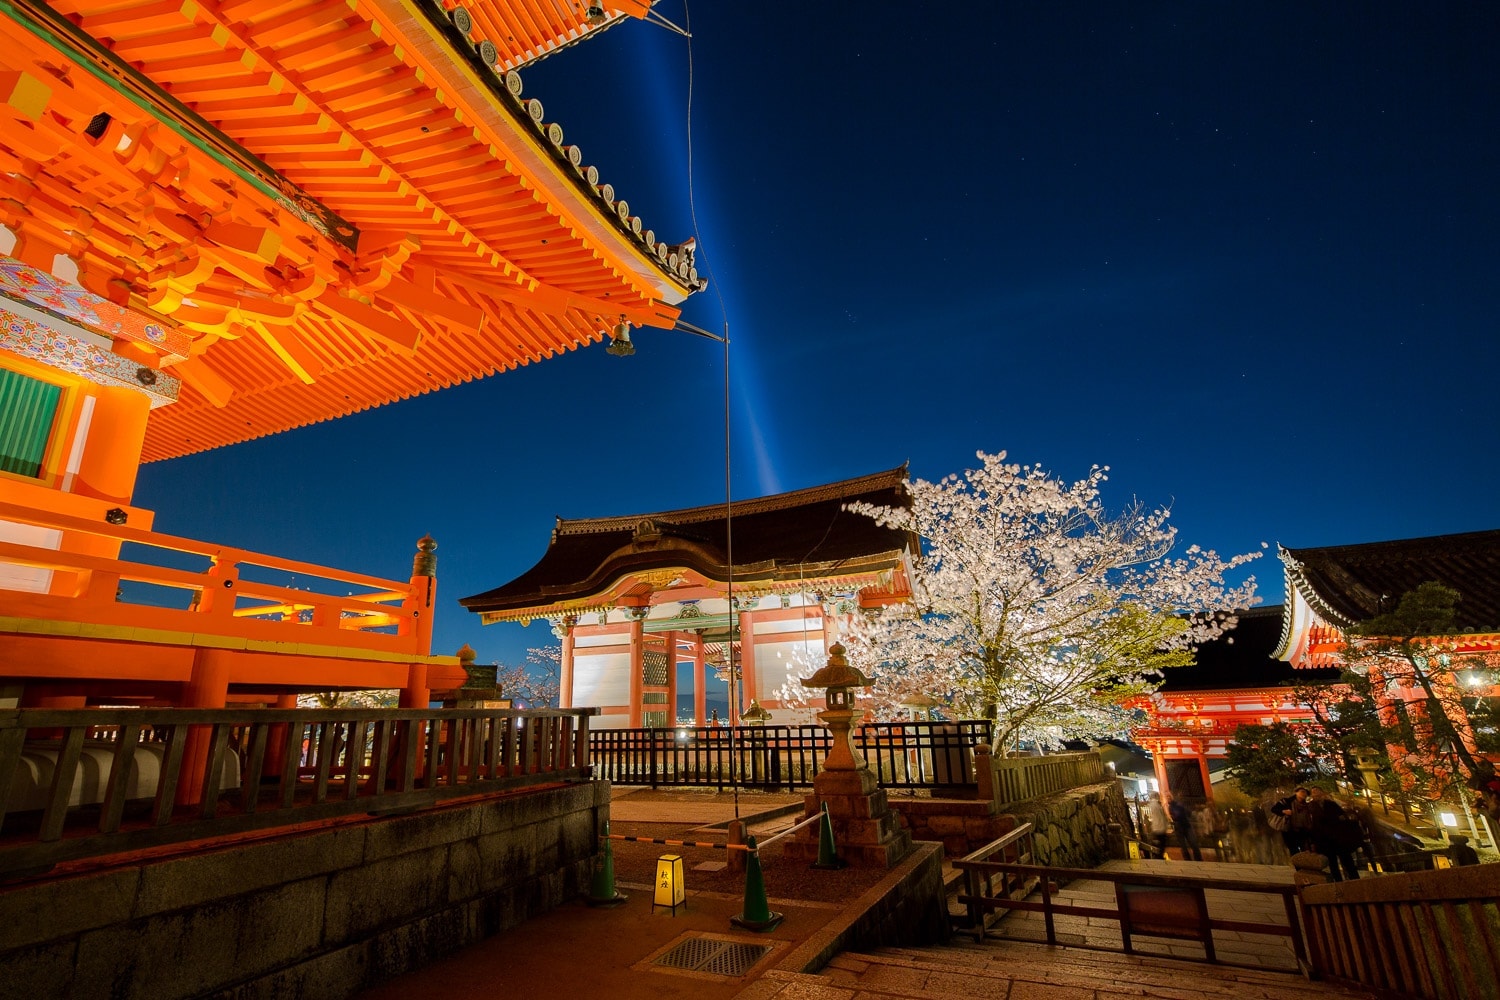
(1021, 779)
(78, 783)
(980, 897)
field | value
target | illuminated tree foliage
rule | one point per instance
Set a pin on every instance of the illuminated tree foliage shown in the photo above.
(1272, 758)
(535, 683)
(1437, 726)
(1036, 607)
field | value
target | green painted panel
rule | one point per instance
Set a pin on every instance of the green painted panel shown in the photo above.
(28, 408)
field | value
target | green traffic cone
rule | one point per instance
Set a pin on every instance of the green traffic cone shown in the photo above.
(828, 858)
(602, 887)
(757, 915)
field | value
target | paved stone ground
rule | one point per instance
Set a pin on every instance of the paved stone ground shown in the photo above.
(1013, 970)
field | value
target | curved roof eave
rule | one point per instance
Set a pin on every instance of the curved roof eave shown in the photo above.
(434, 43)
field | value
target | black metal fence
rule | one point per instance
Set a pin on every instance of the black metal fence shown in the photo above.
(902, 755)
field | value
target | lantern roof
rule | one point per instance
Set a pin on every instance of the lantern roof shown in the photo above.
(837, 672)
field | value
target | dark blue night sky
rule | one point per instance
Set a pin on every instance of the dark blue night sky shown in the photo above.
(1237, 252)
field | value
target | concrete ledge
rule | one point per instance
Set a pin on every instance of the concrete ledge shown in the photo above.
(905, 908)
(311, 916)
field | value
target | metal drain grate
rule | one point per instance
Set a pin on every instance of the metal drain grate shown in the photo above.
(730, 959)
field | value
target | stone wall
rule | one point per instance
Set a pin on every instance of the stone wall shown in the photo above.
(1070, 827)
(960, 825)
(317, 915)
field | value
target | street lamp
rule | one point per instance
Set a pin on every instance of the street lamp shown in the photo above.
(621, 346)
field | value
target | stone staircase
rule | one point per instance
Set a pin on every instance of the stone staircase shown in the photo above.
(1017, 970)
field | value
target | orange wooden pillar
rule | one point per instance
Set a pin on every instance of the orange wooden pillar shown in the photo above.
(1208, 785)
(207, 687)
(637, 663)
(421, 601)
(748, 687)
(700, 683)
(1159, 766)
(107, 468)
(671, 638)
(276, 740)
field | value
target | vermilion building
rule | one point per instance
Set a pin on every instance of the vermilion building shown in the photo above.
(222, 220)
(1331, 590)
(632, 597)
(1247, 676)
(1235, 680)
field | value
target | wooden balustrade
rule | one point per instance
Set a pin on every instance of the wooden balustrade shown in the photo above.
(1431, 934)
(105, 781)
(1020, 779)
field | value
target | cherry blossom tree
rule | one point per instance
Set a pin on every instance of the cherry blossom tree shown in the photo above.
(1036, 607)
(534, 684)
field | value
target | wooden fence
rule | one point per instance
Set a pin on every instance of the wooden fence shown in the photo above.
(1423, 934)
(902, 755)
(1019, 779)
(1170, 906)
(85, 782)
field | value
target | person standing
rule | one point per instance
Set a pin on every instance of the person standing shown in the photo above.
(1459, 851)
(1155, 823)
(1296, 820)
(1332, 835)
(1182, 825)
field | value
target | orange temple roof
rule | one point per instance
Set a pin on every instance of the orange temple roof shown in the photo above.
(333, 205)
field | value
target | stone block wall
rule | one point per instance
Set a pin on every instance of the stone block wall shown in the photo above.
(320, 914)
(961, 826)
(1071, 827)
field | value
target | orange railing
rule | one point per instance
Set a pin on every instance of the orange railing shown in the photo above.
(234, 593)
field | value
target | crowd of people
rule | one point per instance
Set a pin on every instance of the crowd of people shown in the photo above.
(1310, 820)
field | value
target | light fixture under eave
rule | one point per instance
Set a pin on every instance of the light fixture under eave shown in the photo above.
(619, 341)
(595, 14)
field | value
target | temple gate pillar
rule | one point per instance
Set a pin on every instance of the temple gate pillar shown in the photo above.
(564, 631)
(1159, 766)
(700, 680)
(1208, 785)
(671, 638)
(749, 689)
(637, 663)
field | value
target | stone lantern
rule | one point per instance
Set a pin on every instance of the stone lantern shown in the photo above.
(864, 827)
(755, 715)
(839, 680)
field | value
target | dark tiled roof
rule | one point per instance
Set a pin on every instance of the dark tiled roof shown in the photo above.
(1348, 584)
(775, 537)
(1243, 657)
